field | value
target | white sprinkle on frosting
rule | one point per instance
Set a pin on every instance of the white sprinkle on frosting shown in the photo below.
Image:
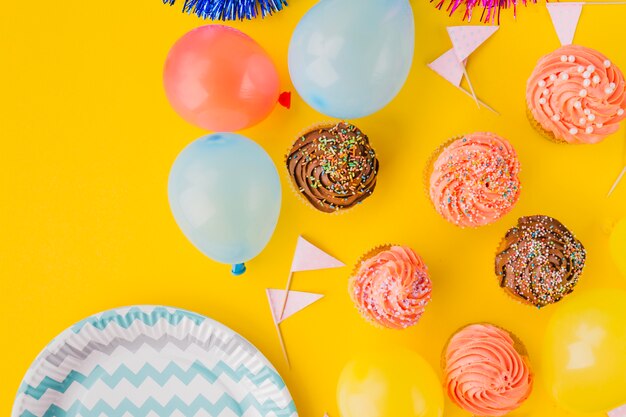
(620, 112)
(583, 93)
(573, 131)
(563, 58)
(571, 58)
(607, 63)
(587, 83)
(577, 104)
(589, 129)
(542, 83)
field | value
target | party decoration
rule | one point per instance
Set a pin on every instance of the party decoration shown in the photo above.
(225, 195)
(618, 412)
(565, 18)
(297, 302)
(307, 257)
(584, 357)
(451, 65)
(617, 243)
(617, 181)
(491, 8)
(231, 9)
(349, 58)
(220, 79)
(389, 382)
(151, 361)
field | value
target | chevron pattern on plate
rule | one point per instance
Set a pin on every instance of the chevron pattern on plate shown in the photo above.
(152, 361)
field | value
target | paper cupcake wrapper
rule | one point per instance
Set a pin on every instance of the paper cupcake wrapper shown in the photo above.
(543, 132)
(372, 252)
(292, 185)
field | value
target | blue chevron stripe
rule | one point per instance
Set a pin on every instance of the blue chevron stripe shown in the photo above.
(175, 404)
(125, 321)
(149, 372)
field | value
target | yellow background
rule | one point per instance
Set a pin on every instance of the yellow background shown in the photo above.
(87, 139)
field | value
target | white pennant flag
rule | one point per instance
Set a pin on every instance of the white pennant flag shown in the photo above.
(565, 18)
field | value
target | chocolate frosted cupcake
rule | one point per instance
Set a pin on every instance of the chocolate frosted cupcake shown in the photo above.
(333, 167)
(539, 261)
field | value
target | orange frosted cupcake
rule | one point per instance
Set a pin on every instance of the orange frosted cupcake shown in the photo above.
(486, 371)
(390, 287)
(473, 180)
(576, 95)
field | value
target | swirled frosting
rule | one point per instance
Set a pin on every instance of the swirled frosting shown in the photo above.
(474, 180)
(484, 373)
(333, 167)
(391, 287)
(577, 94)
(539, 261)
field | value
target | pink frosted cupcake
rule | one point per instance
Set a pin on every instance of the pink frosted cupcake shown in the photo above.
(576, 95)
(390, 287)
(473, 180)
(486, 371)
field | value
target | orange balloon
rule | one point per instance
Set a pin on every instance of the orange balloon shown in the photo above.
(220, 79)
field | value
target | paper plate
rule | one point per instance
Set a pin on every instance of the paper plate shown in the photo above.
(152, 361)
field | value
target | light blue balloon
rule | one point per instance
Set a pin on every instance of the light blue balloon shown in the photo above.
(225, 195)
(349, 58)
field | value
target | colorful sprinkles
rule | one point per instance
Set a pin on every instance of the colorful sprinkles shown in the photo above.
(540, 261)
(333, 167)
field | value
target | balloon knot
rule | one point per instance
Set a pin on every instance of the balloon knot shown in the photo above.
(284, 99)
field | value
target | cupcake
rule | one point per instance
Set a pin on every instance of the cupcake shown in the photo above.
(473, 180)
(390, 287)
(539, 261)
(486, 370)
(333, 167)
(576, 95)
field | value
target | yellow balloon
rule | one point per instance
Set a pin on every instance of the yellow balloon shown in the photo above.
(584, 356)
(389, 383)
(617, 243)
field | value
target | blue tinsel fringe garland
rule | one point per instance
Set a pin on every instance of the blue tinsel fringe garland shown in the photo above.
(231, 9)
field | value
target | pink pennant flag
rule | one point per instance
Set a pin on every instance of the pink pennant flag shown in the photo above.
(297, 301)
(565, 18)
(309, 258)
(466, 39)
(618, 412)
(449, 67)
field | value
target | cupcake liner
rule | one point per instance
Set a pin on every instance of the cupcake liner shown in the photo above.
(299, 195)
(543, 132)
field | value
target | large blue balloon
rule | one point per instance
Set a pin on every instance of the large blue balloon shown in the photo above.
(225, 195)
(349, 58)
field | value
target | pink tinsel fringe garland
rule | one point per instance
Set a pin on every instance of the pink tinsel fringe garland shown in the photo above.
(491, 8)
